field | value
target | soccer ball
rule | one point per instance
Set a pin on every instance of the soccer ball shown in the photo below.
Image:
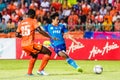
(98, 69)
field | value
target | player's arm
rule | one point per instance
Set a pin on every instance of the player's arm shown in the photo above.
(17, 34)
(44, 33)
(65, 31)
(71, 38)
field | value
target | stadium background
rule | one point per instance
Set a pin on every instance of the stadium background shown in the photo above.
(98, 46)
(83, 27)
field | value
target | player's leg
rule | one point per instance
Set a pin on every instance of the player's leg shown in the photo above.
(31, 52)
(45, 59)
(61, 51)
(74, 64)
(32, 63)
(70, 61)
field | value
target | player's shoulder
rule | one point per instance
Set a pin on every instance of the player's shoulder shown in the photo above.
(29, 20)
(61, 25)
(25, 20)
(34, 20)
(49, 25)
(22, 22)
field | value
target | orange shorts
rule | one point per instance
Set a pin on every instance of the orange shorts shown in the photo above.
(33, 48)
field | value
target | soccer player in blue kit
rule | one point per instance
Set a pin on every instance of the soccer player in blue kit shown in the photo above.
(57, 30)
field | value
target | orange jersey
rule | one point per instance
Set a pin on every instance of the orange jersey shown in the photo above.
(86, 9)
(112, 12)
(11, 7)
(40, 12)
(27, 29)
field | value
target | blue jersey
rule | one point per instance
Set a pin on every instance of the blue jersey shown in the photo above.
(56, 32)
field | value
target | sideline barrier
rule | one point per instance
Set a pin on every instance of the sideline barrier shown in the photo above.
(92, 49)
(76, 34)
(89, 49)
(7, 48)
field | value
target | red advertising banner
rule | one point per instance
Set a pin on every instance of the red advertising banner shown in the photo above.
(87, 49)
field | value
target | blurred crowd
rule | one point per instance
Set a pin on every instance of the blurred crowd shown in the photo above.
(76, 15)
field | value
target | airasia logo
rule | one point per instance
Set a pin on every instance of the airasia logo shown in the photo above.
(108, 47)
(74, 46)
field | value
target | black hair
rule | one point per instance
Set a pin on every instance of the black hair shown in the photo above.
(54, 15)
(31, 13)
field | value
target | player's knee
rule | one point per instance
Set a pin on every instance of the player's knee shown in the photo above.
(63, 55)
(46, 51)
(49, 53)
(34, 55)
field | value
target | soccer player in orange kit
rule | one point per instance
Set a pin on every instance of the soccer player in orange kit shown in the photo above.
(26, 31)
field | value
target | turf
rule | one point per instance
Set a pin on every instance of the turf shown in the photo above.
(59, 70)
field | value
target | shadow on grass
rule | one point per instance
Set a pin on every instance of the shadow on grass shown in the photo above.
(54, 74)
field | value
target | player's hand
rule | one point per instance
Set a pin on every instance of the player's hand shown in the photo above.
(54, 38)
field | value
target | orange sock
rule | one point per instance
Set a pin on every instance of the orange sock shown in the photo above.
(44, 62)
(31, 65)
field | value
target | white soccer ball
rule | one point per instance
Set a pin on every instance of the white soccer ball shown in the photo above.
(98, 69)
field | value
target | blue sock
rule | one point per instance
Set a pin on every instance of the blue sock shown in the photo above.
(72, 63)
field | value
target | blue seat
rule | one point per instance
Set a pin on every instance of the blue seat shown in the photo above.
(88, 34)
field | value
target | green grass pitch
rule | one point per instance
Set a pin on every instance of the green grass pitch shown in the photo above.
(59, 70)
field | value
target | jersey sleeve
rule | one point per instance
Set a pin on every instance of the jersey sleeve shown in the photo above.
(45, 28)
(64, 29)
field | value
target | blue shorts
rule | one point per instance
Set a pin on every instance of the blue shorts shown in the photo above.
(61, 47)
